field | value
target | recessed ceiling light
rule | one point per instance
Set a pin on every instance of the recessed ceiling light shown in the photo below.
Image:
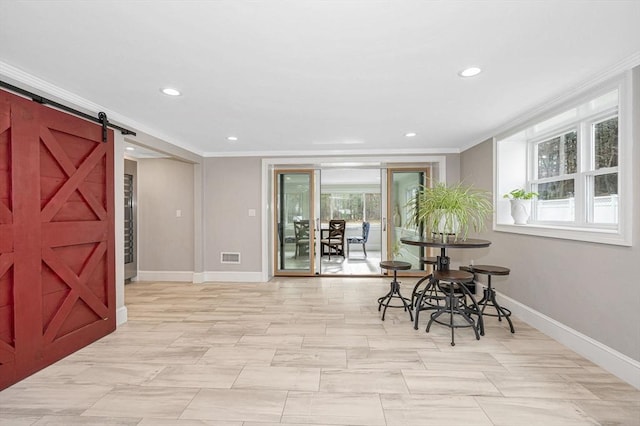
(232, 138)
(170, 91)
(410, 134)
(470, 72)
(130, 148)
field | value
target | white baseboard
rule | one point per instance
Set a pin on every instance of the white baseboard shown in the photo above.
(200, 277)
(234, 277)
(182, 276)
(611, 360)
(121, 315)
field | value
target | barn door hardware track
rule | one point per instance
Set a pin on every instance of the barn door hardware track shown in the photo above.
(101, 119)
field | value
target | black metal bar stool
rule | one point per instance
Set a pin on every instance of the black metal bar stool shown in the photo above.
(394, 292)
(455, 305)
(489, 294)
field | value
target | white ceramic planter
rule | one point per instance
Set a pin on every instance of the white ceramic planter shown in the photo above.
(448, 224)
(520, 210)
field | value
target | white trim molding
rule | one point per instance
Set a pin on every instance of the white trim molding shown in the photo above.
(337, 152)
(201, 277)
(122, 315)
(233, 277)
(616, 363)
(179, 276)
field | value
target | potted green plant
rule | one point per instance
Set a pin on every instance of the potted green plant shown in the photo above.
(450, 209)
(520, 201)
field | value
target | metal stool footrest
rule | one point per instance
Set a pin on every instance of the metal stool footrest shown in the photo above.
(394, 293)
(429, 298)
(456, 303)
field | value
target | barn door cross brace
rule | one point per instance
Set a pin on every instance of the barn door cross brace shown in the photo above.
(101, 119)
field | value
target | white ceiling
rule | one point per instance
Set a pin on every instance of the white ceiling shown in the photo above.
(309, 76)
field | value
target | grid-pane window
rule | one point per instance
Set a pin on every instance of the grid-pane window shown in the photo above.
(605, 198)
(549, 158)
(557, 161)
(556, 201)
(605, 135)
(556, 190)
(558, 155)
(578, 159)
(576, 169)
(571, 152)
(606, 185)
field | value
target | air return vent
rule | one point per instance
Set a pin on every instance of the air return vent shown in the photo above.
(226, 257)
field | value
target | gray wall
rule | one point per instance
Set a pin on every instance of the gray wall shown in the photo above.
(232, 186)
(166, 242)
(592, 288)
(453, 167)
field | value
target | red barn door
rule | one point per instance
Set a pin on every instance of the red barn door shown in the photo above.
(7, 324)
(57, 270)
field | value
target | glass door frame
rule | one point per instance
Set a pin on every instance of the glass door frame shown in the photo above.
(390, 214)
(278, 238)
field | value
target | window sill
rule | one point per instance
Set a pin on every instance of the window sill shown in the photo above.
(566, 233)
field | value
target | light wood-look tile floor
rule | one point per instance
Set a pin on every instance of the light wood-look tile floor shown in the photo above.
(302, 351)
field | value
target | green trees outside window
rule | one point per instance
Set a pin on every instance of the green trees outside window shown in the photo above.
(350, 206)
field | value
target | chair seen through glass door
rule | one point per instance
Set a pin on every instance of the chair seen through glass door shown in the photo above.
(294, 222)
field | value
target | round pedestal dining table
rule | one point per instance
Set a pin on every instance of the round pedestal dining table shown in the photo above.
(443, 242)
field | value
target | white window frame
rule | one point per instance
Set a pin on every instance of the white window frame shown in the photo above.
(515, 159)
(532, 167)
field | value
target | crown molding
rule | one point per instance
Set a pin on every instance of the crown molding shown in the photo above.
(358, 152)
(22, 79)
(597, 79)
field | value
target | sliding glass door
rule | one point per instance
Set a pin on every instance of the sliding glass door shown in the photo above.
(378, 198)
(402, 185)
(295, 242)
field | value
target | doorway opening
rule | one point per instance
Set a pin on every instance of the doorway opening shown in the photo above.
(355, 196)
(367, 204)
